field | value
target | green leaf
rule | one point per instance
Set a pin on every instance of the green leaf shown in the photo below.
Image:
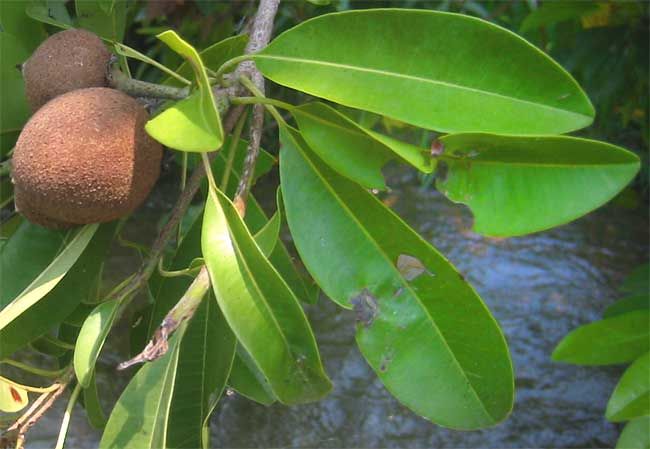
(13, 107)
(93, 406)
(247, 380)
(535, 183)
(140, 416)
(262, 311)
(215, 55)
(628, 304)
(78, 284)
(639, 281)
(129, 52)
(268, 236)
(91, 340)
(619, 339)
(12, 398)
(49, 278)
(52, 16)
(631, 398)
(440, 71)
(108, 23)
(420, 325)
(15, 21)
(635, 435)
(353, 151)
(192, 124)
(550, 13)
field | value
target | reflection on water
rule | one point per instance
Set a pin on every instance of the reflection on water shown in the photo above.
(539, 287)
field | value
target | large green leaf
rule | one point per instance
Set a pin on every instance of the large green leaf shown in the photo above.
(247, 380)
(635, 435)
(534, 183)
(13, 107)
(49, 277)
(50, 12)
(420, 325)
(206, 352)
(261, 309)
(192, 124)
(631, 398)
(108, 23)
(628, 304)
(91, 340)
(15, 21)
(352, 150)
(140, 418)
(440, 71)
(638, 282)
(18, 272)
(93, 406)
(619, 339)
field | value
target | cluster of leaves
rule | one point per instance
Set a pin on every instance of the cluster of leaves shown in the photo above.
(502, 105)
(622, 336)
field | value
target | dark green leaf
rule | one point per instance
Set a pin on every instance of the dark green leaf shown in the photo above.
(139, 419)
(55, 16)
(440, 71)
(13, 107)
(420, 325)
(628, 304)
(550, 13)
(247, 380)
(639, 281)
(108, 23)
(631, 398)
(77, 286)
(353, 151)
(518, 185)
(93, 406)
(262, 311)
(15, 21)
(619, 339)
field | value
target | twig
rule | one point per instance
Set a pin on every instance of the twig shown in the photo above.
(118, 80)
(260, 37)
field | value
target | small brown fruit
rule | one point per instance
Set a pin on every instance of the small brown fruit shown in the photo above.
(85, 158)
(66, 61)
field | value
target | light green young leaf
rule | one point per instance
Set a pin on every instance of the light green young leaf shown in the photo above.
(631, 398)
(262, 311)
(12, 398)
(352, 150)
(192, 124)
(411, 304)
(440, 71)
(91, 340)
(108, 23)
(140, 417)
(628, 304)
(49, 278)
(619, 339)
(518, 185)
(635, 434)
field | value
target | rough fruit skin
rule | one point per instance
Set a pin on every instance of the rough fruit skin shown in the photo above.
(66, 61)
(85, 157)
(34, 216)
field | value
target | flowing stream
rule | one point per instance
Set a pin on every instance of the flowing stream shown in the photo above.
(538, 287)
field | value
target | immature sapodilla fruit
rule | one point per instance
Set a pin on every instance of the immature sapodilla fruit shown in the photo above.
(84, 157)
(66, 61)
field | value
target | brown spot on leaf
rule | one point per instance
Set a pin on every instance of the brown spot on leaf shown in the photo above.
(15, 395)
(365, 307)
(410, 267)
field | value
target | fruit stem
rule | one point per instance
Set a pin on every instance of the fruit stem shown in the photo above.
(136, 88)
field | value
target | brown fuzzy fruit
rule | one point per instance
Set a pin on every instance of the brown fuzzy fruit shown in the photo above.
(85, 158)
(33, 215)
(66, 61)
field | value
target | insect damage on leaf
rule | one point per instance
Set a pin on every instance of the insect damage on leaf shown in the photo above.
(365, 307)
(410, 267)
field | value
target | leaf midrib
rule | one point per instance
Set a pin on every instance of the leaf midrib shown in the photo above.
(404, 283)
(416, 78)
